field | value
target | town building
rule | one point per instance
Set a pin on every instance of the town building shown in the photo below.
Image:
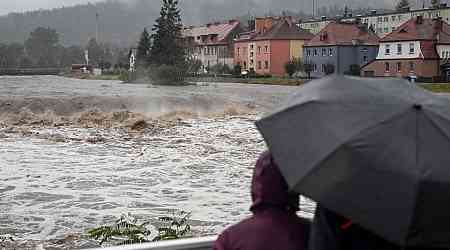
(417, 48)
(339, 47)
(212, 43)
(272, 43)
(381, 23)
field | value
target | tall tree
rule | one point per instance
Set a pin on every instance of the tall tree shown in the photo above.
(42, 46)
(167, 47)
(143, 48)
(402, 5)
(436, 4)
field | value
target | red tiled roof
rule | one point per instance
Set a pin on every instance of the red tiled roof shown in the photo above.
(285, 30)
(428, 29)
(222, 30)
(343, 34)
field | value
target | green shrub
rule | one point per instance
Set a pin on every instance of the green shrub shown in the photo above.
(127, 230)
(168, 75)
(237, 70)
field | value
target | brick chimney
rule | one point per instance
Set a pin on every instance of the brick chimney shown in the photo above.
(262, 25)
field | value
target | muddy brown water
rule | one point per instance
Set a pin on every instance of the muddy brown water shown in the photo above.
(70, 162)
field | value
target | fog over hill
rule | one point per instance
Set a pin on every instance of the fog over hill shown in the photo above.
(121, 21)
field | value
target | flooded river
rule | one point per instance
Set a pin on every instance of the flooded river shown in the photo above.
(77, 154)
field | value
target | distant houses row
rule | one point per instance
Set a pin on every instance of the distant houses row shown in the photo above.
(419, 48)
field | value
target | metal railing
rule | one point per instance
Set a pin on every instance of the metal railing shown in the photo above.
(204, 243)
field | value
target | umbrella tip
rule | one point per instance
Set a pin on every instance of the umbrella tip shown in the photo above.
(418, 106)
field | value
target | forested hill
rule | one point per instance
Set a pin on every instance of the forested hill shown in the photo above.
(121, 21)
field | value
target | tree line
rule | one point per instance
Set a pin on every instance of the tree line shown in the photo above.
(43, 49)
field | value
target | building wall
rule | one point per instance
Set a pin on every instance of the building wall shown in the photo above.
(405, 52)
(318, 59)
(314, 27)
(419, 67)
(281, 54)
(263, 55)
(296, 48)
(443, 51)
(241, 54)
(384, 24)
(341, 57)
(251, 55)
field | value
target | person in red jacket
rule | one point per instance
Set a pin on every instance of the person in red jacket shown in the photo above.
(274, 224)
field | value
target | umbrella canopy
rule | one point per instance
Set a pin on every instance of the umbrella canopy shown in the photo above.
(375, 151)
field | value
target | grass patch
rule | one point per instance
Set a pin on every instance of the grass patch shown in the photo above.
(274, 81)
(437, 87)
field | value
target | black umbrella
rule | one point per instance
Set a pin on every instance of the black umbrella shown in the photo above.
(375, 151)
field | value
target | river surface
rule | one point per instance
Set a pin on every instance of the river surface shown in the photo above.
(74, 154)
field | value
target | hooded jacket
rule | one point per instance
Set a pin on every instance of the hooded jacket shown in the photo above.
(331, 231)
(274, 224)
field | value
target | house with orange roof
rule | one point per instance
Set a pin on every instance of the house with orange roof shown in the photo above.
(418, 48)
(340, 46)
(272, 43)
(212, 43)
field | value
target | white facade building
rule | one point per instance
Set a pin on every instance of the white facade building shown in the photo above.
(382, 24)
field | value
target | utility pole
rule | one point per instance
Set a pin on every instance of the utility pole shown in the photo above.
(97, 17)
(314, 8)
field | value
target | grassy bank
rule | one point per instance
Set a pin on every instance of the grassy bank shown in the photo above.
(263, 81)
(437, 87)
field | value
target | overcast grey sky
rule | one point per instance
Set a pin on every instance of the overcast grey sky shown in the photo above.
(7, 6)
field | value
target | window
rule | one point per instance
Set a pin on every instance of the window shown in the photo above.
(204, 51)
(252, 54)
(259, 49)
(266, 64)
(330, 52)
(251, 47)
(387, 49)
(443, 54)
(315, 67)
(365, 58)
(393, 18)
(259, 65)
(266, 48)
(238, 51)
(308, 52)
(315, 52)
(324, 52)
(399, 67)
(446, 54)
(386, 19)
(399, 49)
(399, 18)
(386, 67)
(386, 30)
(411, 66)
(411, 48)
(252, 62)
(245, 65)
(380, 30)
(380, 19)
(323, 68)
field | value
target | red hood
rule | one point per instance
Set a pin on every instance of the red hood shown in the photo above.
(269, 189)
